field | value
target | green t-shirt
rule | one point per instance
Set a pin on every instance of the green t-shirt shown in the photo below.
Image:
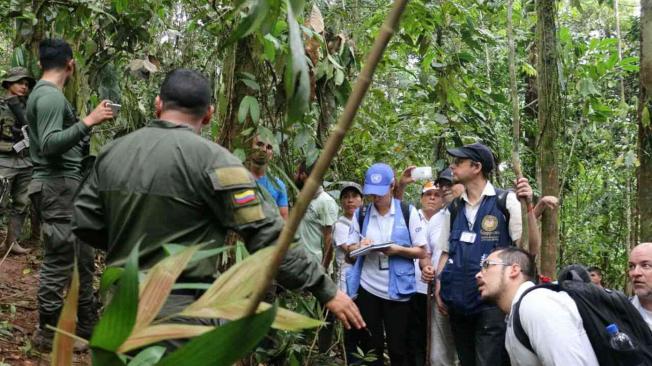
(322, 211)
(55, 135)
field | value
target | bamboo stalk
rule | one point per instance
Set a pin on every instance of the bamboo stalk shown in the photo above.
(333, 144)
(531, 241)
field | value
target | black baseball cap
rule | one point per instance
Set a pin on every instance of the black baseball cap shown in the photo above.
(476, 152)
(446, 176)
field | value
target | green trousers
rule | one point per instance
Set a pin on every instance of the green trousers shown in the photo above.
(15, 202)
(53, 199)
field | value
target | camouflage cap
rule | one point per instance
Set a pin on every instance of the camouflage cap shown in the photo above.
(15, 74)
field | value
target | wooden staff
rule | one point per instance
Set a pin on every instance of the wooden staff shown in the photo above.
(333, 144)
(533, 240)
(430, 307)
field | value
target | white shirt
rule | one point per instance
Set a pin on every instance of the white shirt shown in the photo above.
(554, 326)
(432, 233)
(646, 314)
(374, 279)
(515, 224)
(340, 237)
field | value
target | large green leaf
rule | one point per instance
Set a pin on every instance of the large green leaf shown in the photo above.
(109, 277)
(149, 356)
(252, 21)
(119, 317)
(297, 81)
(224, 345)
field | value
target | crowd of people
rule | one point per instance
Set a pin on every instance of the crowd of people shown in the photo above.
(442, 284)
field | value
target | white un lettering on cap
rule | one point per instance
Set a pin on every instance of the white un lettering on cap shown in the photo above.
(376, 178)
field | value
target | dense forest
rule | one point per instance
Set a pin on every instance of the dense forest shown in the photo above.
(284, 69)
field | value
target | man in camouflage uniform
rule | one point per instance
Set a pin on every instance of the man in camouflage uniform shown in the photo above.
(15, 164)
(166, 184)
(57, 148)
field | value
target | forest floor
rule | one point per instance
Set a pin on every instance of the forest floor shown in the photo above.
(18, 310)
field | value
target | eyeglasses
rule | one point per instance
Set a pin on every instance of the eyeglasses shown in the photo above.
(486, 263)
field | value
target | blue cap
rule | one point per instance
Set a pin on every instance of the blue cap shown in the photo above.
(378, 179)
(612, 329)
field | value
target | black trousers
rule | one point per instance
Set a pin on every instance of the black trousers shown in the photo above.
(382, 317)
(480, 338)
(417, 331)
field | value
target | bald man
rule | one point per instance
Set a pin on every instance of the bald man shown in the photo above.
(640, 273)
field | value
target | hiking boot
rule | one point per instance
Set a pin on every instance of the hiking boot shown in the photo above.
(42, 340)
(79, 346)
(15, 248)
(18, 249)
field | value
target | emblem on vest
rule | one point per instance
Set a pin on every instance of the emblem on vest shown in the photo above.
(489, 226)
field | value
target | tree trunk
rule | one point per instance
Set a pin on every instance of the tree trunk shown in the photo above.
(239, 58)
(644, 126)
(549, 120)
(620, 49)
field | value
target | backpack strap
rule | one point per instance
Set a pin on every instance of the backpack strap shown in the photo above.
(501, 202)
(405, 209)
(362, 212)
(519, 332)
(454, 209)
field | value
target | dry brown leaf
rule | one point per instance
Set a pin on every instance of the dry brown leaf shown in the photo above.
(285, 319)
(238, 283)
(157, 333)
(316, 20)
(62, 347)
(158, 284)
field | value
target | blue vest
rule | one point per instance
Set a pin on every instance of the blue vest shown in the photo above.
(402, 283)
(458, 286)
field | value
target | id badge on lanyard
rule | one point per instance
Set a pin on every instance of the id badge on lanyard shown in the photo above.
(468, 237)
(383, 262)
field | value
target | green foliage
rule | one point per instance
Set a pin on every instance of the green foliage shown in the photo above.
(443, 82)
(225, 344)
(119, 316)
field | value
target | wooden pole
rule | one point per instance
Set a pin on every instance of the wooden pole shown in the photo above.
(531, 241)
(333, 144)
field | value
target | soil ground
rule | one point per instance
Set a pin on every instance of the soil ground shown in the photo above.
(18, 311)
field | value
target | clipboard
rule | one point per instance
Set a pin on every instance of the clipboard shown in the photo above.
(365, 250)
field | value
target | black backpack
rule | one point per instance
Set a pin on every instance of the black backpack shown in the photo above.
(598, 308)
(501, 202)
(405, 208)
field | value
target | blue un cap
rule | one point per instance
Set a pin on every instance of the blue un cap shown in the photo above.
(378, 179)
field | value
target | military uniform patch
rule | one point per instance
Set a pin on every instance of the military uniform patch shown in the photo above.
(245, 197)
(489, 223)
(230, 177)
(248, 214)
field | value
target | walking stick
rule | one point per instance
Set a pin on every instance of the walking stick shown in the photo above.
(532, 241)
(430, 303)
(333, 144)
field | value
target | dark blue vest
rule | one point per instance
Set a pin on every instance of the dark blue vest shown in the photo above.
(458, 287)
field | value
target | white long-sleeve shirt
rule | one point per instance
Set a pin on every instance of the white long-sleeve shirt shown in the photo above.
(555, 329)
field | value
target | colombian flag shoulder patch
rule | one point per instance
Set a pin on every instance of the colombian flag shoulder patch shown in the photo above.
(245, 197)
